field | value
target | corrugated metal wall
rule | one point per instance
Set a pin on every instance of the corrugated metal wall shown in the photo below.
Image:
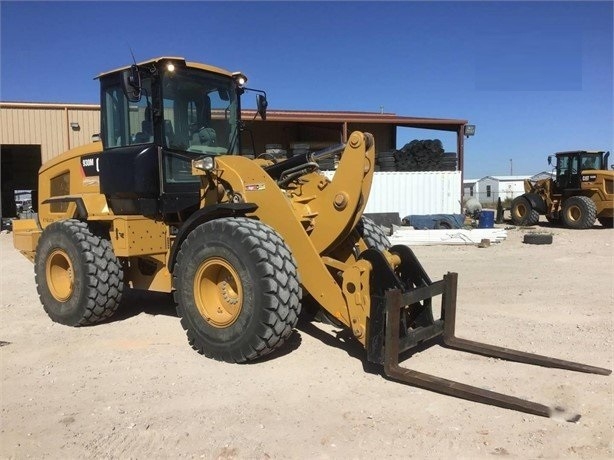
(89, 122)
(48, 126)
(425, 192)
(417, 193)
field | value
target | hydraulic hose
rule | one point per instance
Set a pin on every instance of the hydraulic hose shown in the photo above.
(277, 170)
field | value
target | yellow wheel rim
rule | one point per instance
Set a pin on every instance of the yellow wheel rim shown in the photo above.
(218, 292)
(521, 210)
(60, 275)
(574, 213)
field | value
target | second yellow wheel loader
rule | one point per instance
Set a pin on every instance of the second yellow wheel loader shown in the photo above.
(166, 202)
(581, 192)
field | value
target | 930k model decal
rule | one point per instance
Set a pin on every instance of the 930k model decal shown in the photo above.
(89, 164)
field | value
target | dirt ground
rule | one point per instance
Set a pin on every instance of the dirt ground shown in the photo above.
(133, 388)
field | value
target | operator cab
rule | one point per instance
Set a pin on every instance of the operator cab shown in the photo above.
(570, 167)
(157, 116)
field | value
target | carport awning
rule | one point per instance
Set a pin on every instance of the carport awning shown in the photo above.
(444, 124)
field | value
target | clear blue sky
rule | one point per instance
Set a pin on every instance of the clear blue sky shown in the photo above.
(534, 77)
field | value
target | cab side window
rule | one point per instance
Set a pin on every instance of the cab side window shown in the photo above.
(562, 166)
(116, 110)
(141, 121)
(575, 165)
(127, 123)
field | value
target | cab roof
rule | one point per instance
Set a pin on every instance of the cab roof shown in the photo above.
(154, 61)
(579, 151)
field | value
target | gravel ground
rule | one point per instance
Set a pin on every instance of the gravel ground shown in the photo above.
(133, 388)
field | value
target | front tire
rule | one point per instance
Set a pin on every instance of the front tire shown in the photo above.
(523, 213)
(78, 278)
(375, 238)
(372, 234)
(579, 212)
(237, 289)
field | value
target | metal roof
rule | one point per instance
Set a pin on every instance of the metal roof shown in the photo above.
(446, 124)
(505, 178)
(314, 116)
(48, 105)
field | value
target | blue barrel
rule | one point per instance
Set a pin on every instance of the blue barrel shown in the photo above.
(487, 219)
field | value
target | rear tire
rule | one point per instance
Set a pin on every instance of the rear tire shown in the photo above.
(579, 212)
(78, 278)
(237, 289)
(523, 213)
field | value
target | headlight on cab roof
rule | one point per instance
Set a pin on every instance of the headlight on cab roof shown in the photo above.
(240, 78)
(204, 163)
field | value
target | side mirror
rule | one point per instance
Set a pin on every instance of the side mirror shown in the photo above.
(549, 160)
(131, 84)
(262, 104)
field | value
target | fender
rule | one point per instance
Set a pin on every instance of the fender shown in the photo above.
(204, 215)
(537, 202)
(79, 213)
(253, 184)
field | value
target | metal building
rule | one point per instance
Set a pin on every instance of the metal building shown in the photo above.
(489, 189)
(33, 133)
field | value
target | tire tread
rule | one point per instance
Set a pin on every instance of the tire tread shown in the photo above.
(589, 212)
(103, 272)
(372, 234)
(279, 275)
(532, 216)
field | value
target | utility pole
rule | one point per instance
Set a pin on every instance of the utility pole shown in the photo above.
(511, 168)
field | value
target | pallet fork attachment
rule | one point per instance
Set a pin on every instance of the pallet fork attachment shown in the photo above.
(402, 319)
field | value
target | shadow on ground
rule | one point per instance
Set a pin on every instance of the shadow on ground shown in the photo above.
(342, 339)
(135, 301)
(550, 225)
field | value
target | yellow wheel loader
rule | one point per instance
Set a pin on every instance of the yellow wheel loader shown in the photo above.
(581, 192)
(166, 202)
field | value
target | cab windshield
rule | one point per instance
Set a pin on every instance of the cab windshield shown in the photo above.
(576, 163)
(200, 112)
